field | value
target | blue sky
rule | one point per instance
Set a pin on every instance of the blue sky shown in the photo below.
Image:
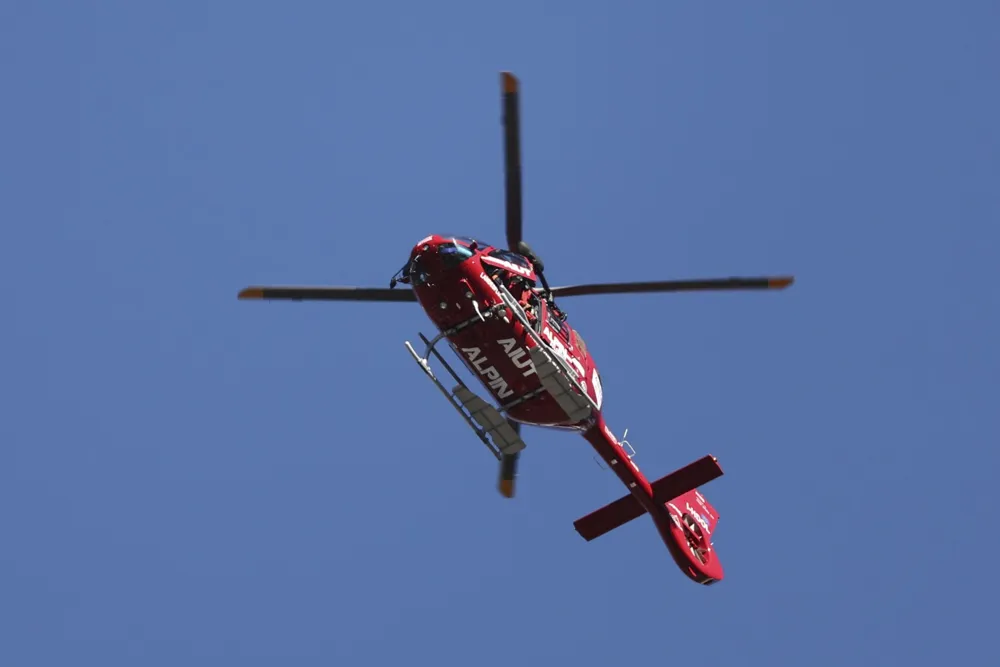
(191, 480)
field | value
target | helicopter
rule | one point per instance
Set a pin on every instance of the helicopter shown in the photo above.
(496, 310)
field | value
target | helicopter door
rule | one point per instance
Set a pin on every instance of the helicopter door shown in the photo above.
(556, 323)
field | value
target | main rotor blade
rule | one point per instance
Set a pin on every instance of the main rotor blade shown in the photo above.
(512, 157)
(763, 283)
(294, 293)
(508, 467)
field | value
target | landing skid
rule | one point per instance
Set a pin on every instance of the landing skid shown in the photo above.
(485, 420)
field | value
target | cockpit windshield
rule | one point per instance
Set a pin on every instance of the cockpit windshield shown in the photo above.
(468, 240)
(451, 251)
(453, 254)
(512, 257)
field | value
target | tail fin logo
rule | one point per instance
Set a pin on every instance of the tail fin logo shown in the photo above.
(698, 516)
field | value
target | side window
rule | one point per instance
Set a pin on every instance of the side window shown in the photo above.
(556, 324)
(508, 256)
(492, 271)
(416, 274)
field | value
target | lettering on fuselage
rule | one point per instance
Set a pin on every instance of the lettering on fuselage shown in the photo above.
(560, 349)
(518, 356)
(697, 516)
(492, 375)
(693, 513)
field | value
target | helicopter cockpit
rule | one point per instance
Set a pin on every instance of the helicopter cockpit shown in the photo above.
(513, 270)
(457, 249)
(462, 246)
(448, 254)
(512, 257)
(452, 254)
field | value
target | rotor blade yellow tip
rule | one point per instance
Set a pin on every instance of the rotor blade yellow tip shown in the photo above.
(509, 82)
(251, 293)
(780, 283)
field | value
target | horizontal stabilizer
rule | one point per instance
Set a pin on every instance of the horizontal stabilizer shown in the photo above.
(685, 479)
(609, 517)
(666, 488)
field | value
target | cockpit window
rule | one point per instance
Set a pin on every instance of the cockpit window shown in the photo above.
(512, 257)
(467, 240)
(415, 273)
(453, 254)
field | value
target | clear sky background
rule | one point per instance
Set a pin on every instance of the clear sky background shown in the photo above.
(187, 479)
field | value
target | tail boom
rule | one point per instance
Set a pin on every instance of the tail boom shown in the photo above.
(683, 517)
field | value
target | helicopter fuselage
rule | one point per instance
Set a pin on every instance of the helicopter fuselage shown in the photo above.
(456, 284)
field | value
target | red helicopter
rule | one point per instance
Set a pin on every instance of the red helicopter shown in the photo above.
(497, 312)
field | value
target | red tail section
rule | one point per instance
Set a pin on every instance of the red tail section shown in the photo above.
(609, 517)
(666, 488)
(696, 504)
(689, 536)
(683, 517)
